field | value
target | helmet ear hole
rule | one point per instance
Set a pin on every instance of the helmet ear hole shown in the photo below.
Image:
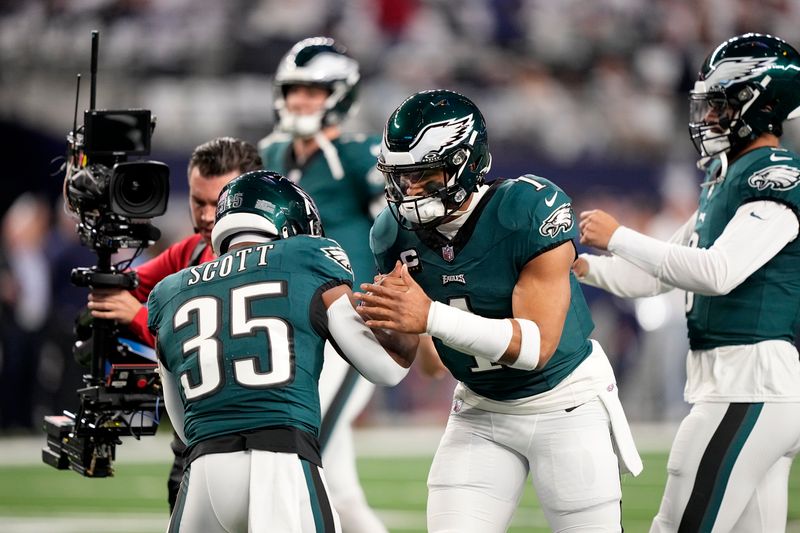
(745, 94)
(458, 157)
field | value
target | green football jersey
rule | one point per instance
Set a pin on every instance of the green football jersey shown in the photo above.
(515, 221)
(767, 304)
(343, 203)
(245, 333)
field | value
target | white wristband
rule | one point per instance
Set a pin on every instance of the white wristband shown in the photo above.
(487, 338)
(529, 345)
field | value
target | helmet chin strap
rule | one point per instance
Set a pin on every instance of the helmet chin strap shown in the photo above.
(723, 169)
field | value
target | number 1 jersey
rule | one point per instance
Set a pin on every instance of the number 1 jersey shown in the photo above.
(515, 221)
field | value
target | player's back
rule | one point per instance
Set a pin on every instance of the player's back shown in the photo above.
(244, 334)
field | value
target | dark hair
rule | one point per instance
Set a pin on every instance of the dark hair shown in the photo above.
(223, 155)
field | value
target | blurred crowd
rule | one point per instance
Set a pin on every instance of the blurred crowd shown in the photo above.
(570, 79)
(592, 91)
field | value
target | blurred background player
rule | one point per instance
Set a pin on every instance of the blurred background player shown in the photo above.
(240, 344)
(507, 317)
(211, 166)
(737, 258)
(315, 89)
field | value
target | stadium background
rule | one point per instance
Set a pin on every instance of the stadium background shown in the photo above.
(591, 94)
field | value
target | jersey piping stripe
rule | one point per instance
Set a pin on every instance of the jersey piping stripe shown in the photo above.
(334, 412)
(716, 466)
(320, 505)
(177, 513)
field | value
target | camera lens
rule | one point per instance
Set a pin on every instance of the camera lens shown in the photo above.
(139, 189)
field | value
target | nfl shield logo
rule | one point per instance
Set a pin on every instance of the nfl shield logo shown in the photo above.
(448, 254)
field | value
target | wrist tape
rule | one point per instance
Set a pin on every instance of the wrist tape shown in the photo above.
(469, 333)
(487, 338)
(530, 345)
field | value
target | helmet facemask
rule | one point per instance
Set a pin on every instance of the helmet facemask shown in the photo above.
(711, 121)
(425, 194)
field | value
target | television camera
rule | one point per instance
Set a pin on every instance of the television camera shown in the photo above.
(114, 200)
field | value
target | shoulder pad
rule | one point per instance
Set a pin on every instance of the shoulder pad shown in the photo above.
(776, 175)
(272, 138)
(321, 255)
(384, 232)
(528, 200)
(359, 143)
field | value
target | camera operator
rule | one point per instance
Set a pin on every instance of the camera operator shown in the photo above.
(212, 165)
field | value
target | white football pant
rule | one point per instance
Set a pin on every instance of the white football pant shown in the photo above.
(253, 491)
(728, 469)
(483, 460)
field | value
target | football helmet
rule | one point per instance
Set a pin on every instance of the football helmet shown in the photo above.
(266, 205)
(317, 61)
(433, 130)
(746, 87)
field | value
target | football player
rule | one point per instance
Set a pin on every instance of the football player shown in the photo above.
(240, 345)
(211, 166)
(485, 279)
(315, 90)
(736, 258)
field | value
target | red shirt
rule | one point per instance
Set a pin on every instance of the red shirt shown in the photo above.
(173, 259)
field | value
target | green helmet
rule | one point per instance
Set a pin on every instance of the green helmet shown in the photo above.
(265, 206)
(433, 130)
(746, 87)
(322, 62)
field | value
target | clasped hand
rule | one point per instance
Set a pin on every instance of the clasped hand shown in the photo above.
(394, 301)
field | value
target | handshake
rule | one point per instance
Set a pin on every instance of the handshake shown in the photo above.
(394, 301)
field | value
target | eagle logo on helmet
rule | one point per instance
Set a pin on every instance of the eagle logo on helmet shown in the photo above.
(777, 178)
(561, 219)
(439, 137)
(738, 69)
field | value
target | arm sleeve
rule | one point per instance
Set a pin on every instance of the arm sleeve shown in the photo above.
(626, 280)
(360, 346)
(757, 232)
(172, 401)
(621, 278)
